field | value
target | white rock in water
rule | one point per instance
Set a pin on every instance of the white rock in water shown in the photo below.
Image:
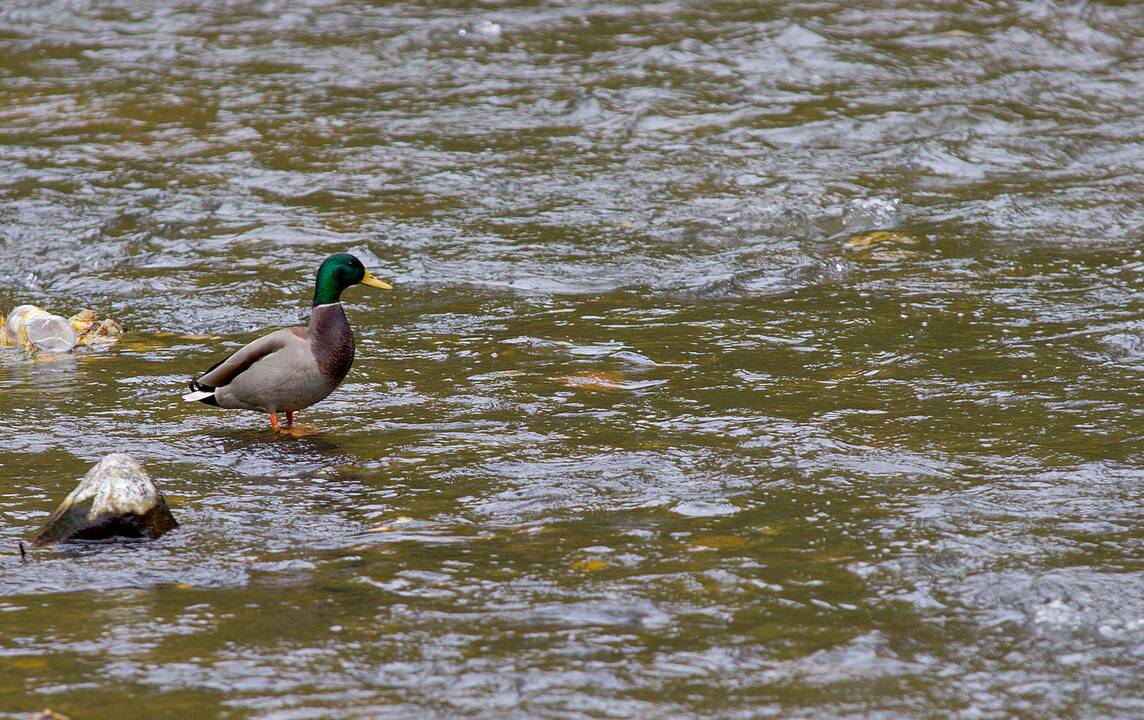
(115, 499)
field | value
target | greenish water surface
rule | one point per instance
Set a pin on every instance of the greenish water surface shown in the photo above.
(650, 427)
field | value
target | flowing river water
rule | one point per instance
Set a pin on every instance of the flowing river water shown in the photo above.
(651, 425)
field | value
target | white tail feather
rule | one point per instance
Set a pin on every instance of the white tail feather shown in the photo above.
(197, 395)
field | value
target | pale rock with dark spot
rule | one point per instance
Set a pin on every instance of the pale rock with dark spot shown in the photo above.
(116, 499)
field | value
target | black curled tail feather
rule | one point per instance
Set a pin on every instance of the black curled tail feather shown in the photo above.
(196, 386)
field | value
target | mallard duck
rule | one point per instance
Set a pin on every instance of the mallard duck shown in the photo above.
(292, 368)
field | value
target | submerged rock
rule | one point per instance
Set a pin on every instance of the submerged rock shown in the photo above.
(115, 499)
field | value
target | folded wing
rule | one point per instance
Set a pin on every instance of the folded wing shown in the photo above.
(224, 372)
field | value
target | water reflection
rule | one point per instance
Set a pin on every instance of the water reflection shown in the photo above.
(262, 452)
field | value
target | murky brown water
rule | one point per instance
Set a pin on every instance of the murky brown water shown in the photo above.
(638, 436)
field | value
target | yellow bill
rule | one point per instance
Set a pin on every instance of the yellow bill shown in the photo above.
(372, 281)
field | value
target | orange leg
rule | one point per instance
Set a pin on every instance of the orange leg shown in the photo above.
(289, 419)
(274, 421)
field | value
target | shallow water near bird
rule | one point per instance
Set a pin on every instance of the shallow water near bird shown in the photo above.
(744, 359)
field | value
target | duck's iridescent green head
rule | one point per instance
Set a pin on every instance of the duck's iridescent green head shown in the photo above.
(338, 272)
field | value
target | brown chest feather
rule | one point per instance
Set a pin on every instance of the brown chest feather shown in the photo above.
(331, 341)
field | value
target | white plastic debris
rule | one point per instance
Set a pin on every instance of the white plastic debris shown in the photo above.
(36, 329)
